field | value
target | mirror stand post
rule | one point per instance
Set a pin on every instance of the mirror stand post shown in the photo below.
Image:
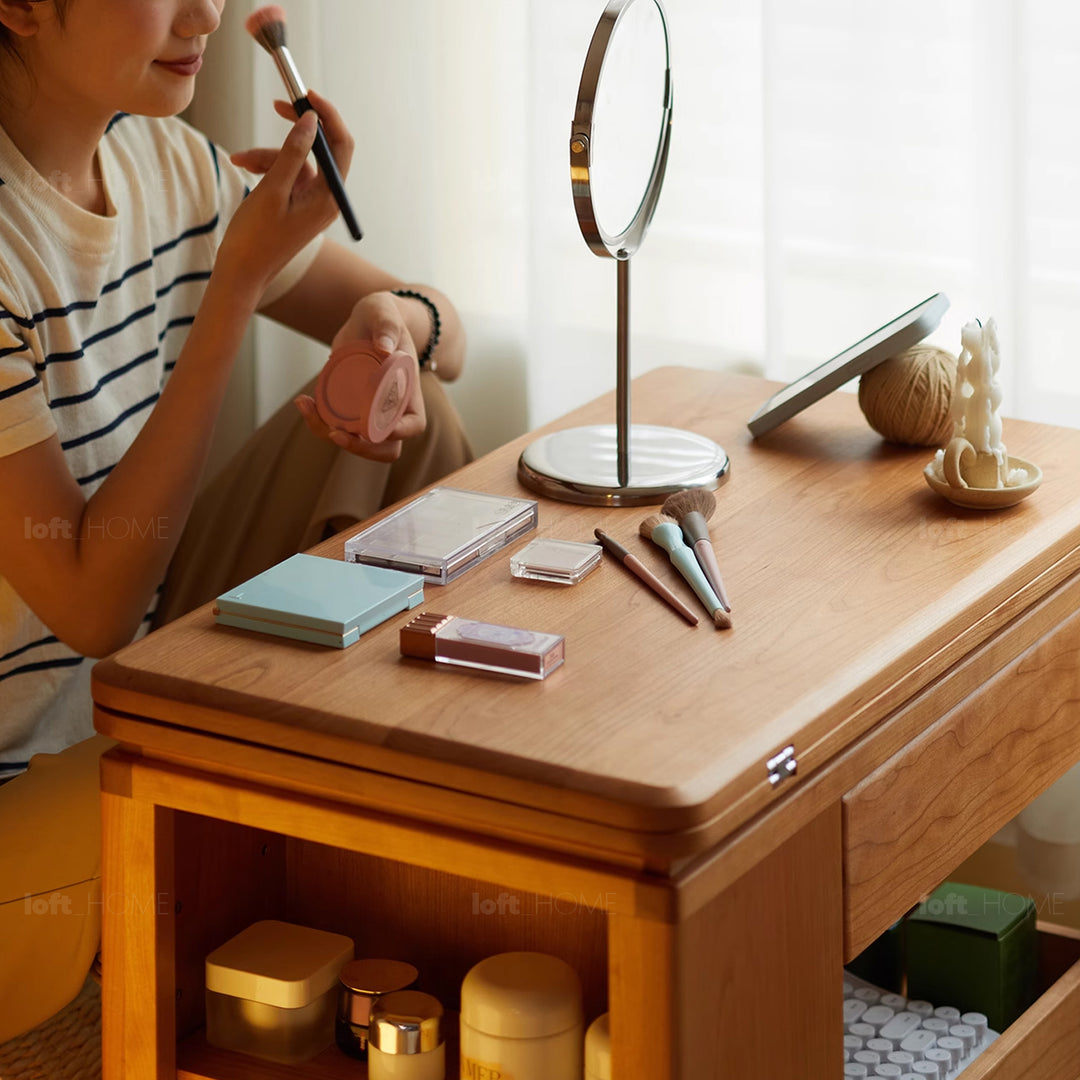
(622, 376)
(626, 464)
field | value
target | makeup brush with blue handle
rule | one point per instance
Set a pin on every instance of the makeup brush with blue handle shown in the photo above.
(692, 509)
(665, 533)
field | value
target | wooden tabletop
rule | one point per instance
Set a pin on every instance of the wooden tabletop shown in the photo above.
(849, 578)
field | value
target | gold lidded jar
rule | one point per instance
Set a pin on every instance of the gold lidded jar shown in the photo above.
(406, 1038)
(360, 983)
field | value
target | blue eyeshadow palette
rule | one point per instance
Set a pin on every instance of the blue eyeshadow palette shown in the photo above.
(324, 601)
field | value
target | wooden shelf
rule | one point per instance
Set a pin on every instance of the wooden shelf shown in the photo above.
(198, 1060)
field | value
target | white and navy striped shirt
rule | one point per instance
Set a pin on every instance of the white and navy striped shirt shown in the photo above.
(94, 311)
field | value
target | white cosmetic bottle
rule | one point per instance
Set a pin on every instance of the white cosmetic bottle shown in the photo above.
(521, 1017)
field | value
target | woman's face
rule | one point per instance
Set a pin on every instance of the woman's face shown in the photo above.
(109, 56)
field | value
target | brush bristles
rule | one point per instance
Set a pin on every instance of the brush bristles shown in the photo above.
(686, 502)
(267, 27)
(650, 523)
(721, 619)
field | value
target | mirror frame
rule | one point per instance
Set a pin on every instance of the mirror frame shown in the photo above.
(619, 245)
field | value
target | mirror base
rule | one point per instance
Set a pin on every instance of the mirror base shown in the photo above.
(579, 465)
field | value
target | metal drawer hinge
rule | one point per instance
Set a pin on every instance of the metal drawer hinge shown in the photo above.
(782, 767)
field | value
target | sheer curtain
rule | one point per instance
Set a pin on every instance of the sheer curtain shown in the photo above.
(832, 164)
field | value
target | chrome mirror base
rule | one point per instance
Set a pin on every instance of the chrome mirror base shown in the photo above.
(580, 465)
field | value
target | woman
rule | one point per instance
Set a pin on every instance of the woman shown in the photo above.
(132, 257)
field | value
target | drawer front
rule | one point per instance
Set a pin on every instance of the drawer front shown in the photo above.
(1045, 1041)
(914, 819)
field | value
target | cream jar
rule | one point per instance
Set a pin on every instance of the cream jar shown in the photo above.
(598, 1049)
(521, 1018)
(361, 982)
(405, 1037)
(271, 991)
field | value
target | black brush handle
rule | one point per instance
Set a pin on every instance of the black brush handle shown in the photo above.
(325, 158)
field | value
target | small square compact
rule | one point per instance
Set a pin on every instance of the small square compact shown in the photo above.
(564, 562)
(364, 393)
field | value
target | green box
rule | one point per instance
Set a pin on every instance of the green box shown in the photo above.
(882, 961)
(974, 948)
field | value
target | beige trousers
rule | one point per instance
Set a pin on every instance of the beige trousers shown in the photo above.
(286, 490)
(283, 491)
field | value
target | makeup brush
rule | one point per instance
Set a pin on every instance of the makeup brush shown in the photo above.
(643, 573)
(267, 26)
(665, 533)
(692, 509)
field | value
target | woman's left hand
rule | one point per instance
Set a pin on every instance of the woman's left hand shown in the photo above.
(375, 318)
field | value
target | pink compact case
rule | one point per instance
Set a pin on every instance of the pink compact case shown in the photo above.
(361, 392)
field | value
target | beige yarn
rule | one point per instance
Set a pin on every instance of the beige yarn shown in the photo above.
(906, 399)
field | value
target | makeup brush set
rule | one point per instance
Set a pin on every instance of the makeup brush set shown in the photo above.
(682, 530)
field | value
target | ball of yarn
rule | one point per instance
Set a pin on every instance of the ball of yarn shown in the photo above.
(906, 398)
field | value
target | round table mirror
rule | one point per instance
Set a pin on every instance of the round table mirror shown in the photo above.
(618, 154)
(621, 129)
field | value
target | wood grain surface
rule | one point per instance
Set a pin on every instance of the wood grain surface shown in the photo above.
(759, 967)
(848, 577)
(936, 801)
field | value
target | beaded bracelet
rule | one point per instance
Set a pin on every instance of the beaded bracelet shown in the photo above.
(424, 359)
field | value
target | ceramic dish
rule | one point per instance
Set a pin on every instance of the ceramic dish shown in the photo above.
(988, 498)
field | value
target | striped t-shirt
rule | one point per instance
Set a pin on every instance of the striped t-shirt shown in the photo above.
(94, 311)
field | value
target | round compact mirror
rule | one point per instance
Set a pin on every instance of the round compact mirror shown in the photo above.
(618, 154)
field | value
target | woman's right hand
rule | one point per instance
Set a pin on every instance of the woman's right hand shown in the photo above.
(291, 204)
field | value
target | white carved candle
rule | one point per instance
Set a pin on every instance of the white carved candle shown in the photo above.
(976, 456)
(974, 469)
(978, 395)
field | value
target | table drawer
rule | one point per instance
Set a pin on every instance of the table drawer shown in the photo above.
(909, 823)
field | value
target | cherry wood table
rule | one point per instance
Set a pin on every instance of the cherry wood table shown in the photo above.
(915, 663)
